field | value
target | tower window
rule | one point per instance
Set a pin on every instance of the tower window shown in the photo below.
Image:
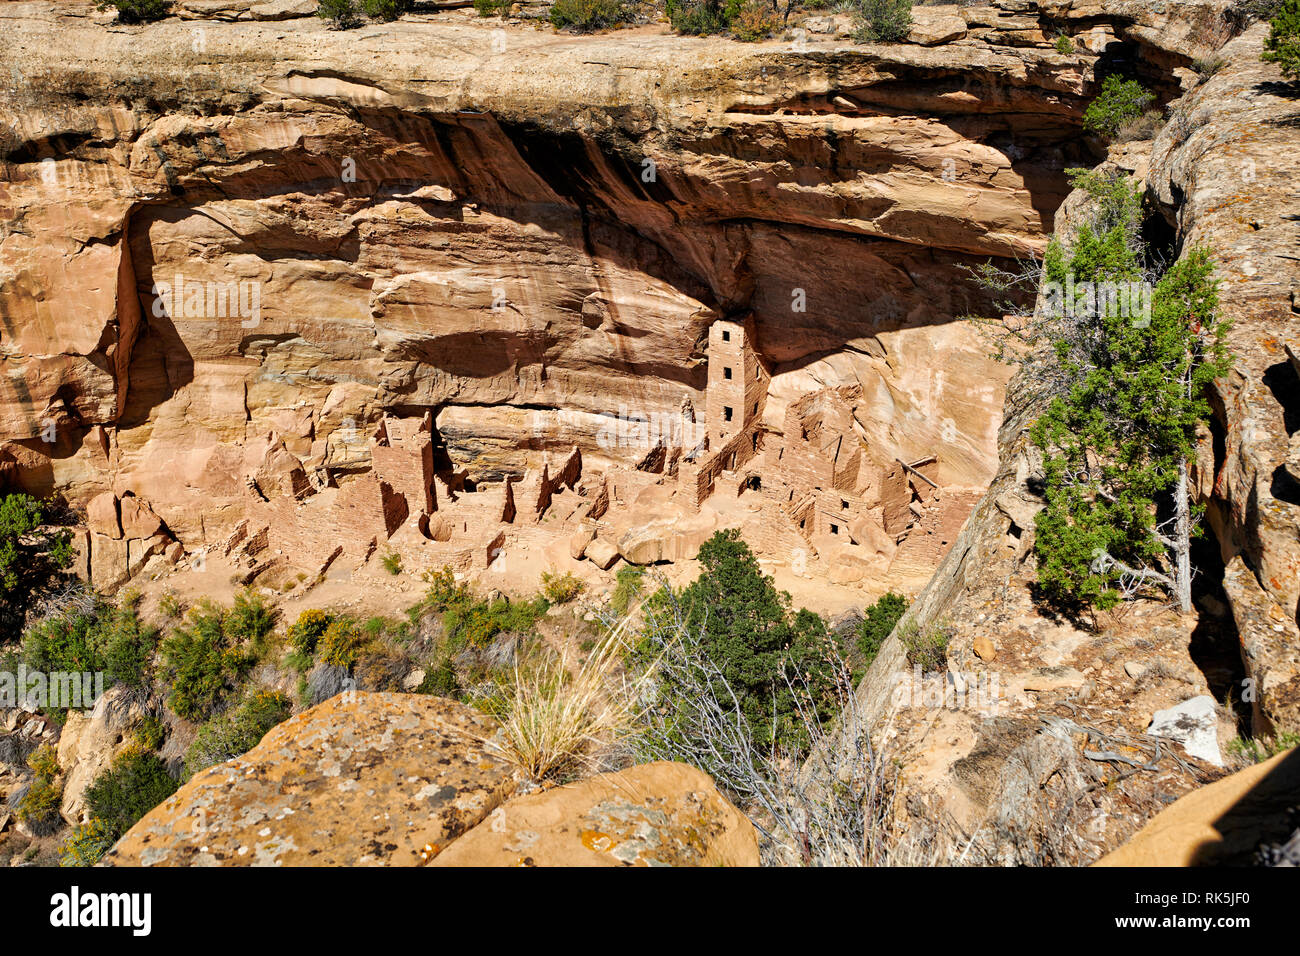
(726, 335)
(726, 413)
(835, 529)
(726, 373)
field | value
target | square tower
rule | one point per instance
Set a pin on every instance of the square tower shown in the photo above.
(737, 384)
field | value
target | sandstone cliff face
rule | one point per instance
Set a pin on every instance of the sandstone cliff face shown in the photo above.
(230, 249)
(242, 261)
(1014, 763)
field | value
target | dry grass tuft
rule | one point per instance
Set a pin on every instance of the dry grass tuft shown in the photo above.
(557, 718)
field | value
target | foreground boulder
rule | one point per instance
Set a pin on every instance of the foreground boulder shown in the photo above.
(362, 779)
(656, 814)
(1223, 824)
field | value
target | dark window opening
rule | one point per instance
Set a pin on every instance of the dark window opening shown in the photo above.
(835, 529)
(726, 413)
(726, 336)
(726, 373)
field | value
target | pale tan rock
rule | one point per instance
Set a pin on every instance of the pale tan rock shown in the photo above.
(931, 28)
(138, 519)
(579, 541)
(984, 649)
(657, 814)
(283, 9)
(95, 741)
(109, 561)
(361, 780)
(214, 9)
(1053, 678)
(102, 515)
(602, 553)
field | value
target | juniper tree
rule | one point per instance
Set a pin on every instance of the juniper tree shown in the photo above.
(1283, 44)
(1128, 388)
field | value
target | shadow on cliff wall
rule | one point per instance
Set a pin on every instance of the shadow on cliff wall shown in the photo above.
(160, 362)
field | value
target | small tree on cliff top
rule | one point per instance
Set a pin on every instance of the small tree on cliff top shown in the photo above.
(1132, 367)
(1283, 44)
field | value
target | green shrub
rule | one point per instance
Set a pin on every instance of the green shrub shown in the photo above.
(238, 731)
(882, 21)
(29, 558)
(486, 8)
(202, 662)
(477, 622)
(134, 784)
(386, 10)
(628, 585)
(1259, 749)
(251, 619)
(928, 648)
(1120, 101)
(1283, 44)
(584, 16)
(440, 680)
(39, 806)
(878, 622)
(561, 588)
(135, 11)
(341, 643)
(752, 20)
(1064, 45)
(86, 844)
(112, 640)
(392, 562)
(770, 657)
(444, 591)
(341, 14)
(696, 17)
(149, 732)
(306, 632)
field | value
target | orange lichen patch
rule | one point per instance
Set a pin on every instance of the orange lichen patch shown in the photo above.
(362, 779)
(598, 842)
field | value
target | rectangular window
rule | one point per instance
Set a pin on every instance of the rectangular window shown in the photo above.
(726, 413)
(726, 336)
(726, 373)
